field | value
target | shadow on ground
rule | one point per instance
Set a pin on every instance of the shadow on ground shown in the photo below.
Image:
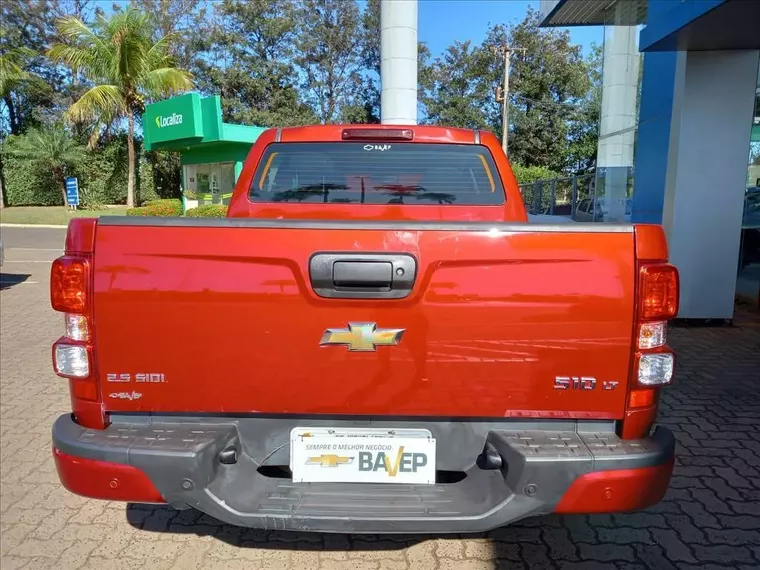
(8, 280)
(531, 541)
(152, 518)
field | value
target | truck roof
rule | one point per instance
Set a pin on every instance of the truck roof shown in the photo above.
(419, 133)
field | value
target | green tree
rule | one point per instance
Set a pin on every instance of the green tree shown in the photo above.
(49, 147)
(584, 125)
(453, 90)
(11, 75)
(549, 83)
(31, 87)
(125, 64)
(29, 79)
(178, 20)
(246, 55)
(368, 110)
(549, 79)
(328, 52)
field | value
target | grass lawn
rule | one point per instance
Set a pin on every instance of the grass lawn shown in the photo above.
(55, 215)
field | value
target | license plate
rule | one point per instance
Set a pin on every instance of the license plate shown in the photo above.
(323, 455)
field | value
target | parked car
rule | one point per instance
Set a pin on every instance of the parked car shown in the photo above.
(597, 209)
(403, 352)
(750, 238)
(751, 217)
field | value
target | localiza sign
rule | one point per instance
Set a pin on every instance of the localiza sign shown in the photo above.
(177, 119)
(173, 119)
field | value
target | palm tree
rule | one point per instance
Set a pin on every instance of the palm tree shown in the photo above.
(51, 148)
(12, 74)
(120, 57)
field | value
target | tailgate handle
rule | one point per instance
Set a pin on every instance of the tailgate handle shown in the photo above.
(362, 276)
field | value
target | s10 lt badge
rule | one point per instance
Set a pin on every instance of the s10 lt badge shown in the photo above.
(583, 383)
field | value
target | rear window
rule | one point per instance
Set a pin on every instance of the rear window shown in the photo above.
(377, 173)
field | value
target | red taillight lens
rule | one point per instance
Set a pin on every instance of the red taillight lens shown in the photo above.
(69, 279)
(378, 134)
(642, 398)
(658, 292)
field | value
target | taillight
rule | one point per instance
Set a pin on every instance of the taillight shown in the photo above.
(77, 327)
(654, 361)
(71, 360)
(641, 398)
(69, 284)
(70, 294)
(652, 335)
(658, 292)
(655, 369)
(658, 302)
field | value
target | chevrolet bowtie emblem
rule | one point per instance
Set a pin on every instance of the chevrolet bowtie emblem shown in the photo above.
(362, 337)
(329, 460)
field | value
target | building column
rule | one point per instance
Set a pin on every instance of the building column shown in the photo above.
(398, 62)
(617, 128)
(705, 182)
(654, 134)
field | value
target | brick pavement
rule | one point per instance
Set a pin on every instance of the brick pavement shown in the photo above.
(709, 519)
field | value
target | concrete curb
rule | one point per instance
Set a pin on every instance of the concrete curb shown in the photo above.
(45, 226)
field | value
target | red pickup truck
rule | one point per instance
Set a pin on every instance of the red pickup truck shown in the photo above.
(375, 339)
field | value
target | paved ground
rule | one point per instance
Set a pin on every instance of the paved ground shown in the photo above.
(709, 519)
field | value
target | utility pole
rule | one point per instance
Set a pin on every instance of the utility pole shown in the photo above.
(502, 95)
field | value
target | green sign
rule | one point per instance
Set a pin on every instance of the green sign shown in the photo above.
(174, 119)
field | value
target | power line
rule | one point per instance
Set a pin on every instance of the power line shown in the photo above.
(572, 106)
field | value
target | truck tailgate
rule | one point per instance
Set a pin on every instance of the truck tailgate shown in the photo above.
(222, 316)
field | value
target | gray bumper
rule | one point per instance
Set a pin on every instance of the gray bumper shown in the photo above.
(182, 461)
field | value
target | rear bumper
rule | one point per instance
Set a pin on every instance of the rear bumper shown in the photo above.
(543, 471)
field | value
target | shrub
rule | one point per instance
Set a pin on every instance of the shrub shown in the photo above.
(146, 187)
(165, 174)
(528, 174)
(538, 197)
(163, 208)
(28, 185)
(208, 211)
(102, 177)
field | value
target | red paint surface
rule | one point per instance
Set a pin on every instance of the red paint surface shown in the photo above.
(104, 480)
(617, 491)
(492, 319)
(638, 422)
(80, 237)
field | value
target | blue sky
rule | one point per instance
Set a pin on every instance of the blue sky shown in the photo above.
(441, 22)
